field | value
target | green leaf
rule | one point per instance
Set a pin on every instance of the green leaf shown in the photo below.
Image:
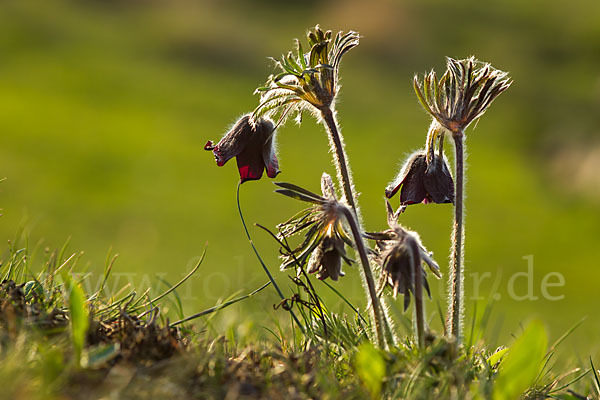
(301, 54)
(298, 196)
(370, 367)
(522, 364)
(497, 356)
(78, 314)
(318, 54)
(33, 288)
(419, 92)
(298, 189)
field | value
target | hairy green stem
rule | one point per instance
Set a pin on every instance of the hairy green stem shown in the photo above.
(364, 260)
(340, 158)
(418, 282)
(345, 177)
(456, 278)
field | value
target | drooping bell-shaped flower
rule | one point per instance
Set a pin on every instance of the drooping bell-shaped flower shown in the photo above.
(423, 181)
(396, 251)
(438, 180)
(325, 237)
(425, 176)
(251, 142)
(326, 259)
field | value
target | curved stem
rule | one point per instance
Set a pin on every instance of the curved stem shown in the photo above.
(345, 177)
(260, 259)
(456, 278)
(364, 260)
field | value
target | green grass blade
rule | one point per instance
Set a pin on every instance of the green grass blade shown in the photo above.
(219, 306)
(596, 378)
(262, 263)
(78, 315)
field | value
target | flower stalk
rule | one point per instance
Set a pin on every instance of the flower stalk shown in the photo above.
(345, 177)
(364, 261)
(400, 254)
(455, 313)
(340, 158)
(462, 95)
(324, 241)
(418, 277)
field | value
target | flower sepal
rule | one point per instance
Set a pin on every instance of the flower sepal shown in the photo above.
(251, 143)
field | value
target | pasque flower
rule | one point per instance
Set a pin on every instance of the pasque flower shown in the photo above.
(326, 259)
(463, 94)
(425, 176)
(396, 251)
(421, 181)
(325, 238)
(251, 142)
(306, 79)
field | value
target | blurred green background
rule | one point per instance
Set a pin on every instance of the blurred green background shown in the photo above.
(105, 107)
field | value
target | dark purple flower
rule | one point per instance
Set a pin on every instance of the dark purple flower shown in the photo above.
(438, 181)
(326, 259)
(396, 258)
(423, 181)
(251, 142)
(396, 250)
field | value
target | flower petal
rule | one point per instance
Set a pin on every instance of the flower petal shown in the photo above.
(413, 187)
(438, 181)
(410, 181)
(332, 263)
(270, 158)
(234, 141)
(250, 162)
(314, 262)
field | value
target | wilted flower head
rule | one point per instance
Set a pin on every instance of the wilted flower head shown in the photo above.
(396, 252)
(325, 238)
(462, 94)
(251, 142)
(309, 78)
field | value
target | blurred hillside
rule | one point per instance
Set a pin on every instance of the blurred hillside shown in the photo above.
(105, 107)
